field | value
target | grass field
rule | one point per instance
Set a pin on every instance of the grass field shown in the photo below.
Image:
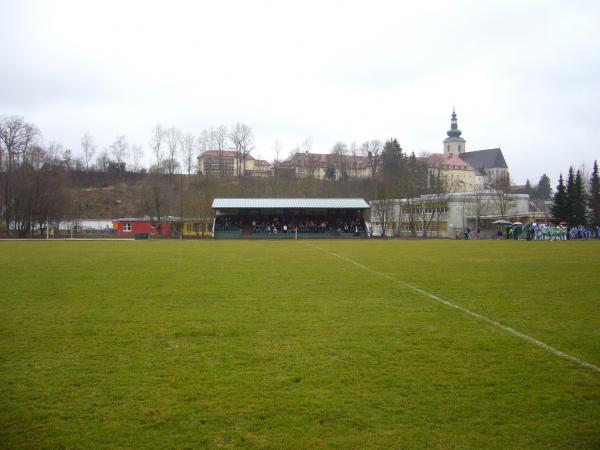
(284, 345)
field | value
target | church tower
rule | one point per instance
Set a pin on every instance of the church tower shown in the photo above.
(454, 144)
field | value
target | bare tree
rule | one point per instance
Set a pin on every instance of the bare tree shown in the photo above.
(372, 150)
(54, 152)
(306, 145)
(205, 140)
(433, 207)
(339, 159)
(502, 198)
(156, 144)
(102, 161)
(187, 147)
(382, 211)
(88, 148)
(137, 154)
(478, 204)
(204, 143)
(219, 138)
(37, 156)
(409, 208)
(37, 192)
(67, 158)
(173, 138)
(277, 148)
(243, 140)
(354, 159)
(154, 203)
(120, 148)
(16, 136)
(440, 190)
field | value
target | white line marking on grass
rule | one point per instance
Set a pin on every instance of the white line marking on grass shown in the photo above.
(481, 317)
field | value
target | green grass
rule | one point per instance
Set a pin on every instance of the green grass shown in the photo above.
(272, 344)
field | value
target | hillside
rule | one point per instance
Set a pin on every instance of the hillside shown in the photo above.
(139, 195)
(106, 202)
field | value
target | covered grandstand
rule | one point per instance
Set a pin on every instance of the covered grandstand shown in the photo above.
(289, 218)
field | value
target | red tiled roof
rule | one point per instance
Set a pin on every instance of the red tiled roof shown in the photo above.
(324, 160)
(447, 162)
(219, 153)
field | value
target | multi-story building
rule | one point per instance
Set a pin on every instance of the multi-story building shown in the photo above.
(325, 166)
(228, 163)
(444, 215)
(454, 174)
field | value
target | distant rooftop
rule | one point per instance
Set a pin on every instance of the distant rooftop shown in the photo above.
(290, 203)
(484, 159)
(324, 160)
(221, 153)
(449, 161)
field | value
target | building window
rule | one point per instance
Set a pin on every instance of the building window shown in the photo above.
(459, 147)
(127, 227)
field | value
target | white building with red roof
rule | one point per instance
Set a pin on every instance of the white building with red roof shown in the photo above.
(228, 163)
(454, 174)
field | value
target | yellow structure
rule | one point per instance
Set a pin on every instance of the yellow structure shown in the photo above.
(456, 175)
(197, 228)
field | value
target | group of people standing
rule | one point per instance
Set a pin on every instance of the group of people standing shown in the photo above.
(290, 224)
(300, 224)
(546, 232)
(561, 232)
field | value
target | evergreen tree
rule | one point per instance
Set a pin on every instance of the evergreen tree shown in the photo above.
(544, 191)
(579, 201)
(594, 197)
(559, 208)
(570, 198)
(528, 188)
(330, 173)
(392, 158)
(415, 182)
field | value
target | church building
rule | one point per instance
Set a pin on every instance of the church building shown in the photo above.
(463, 171)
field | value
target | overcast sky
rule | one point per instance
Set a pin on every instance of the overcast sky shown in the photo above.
(523, 75)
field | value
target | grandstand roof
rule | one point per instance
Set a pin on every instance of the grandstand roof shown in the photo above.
(290, 203)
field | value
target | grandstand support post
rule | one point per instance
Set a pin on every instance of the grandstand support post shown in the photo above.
(47, 228)
(296, 233)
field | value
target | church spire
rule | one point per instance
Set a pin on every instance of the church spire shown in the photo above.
(454, 131)
(454, 144)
